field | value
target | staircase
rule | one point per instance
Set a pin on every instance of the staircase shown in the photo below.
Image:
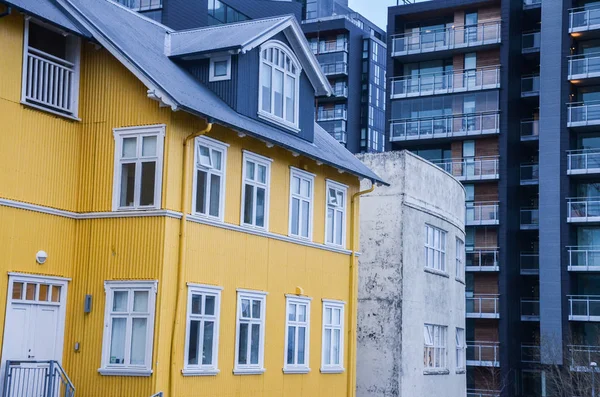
(31, 378)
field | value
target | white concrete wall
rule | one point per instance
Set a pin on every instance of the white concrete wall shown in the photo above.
(397, 296)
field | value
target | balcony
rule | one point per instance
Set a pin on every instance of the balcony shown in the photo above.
(445, 82)
(482, 260)
(332, 114)
(581, 162)
(584, 259)
(530, 174)
(530, 353)
(335, 69)
(530, 130)
(580, 357)
(530, 42)
(530, 263)
(483, 306)
(583, 209)
(446, 39)
(584, 307)
(530, 85)
(584, 66)
(581, 114)
(471, 169)
(482, 213)
(329, 46)
(445, 127)
(530, 219)
(483, 354)
(482, 393)
(530, 309)
(583, 19)
(527, 4)
(340, 92)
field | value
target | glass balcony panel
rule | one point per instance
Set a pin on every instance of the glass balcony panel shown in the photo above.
(530, 129)
(579, 307)
(530, 262)
(584, 18)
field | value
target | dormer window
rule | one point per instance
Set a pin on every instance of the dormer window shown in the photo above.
(279, 85)
(220, 69)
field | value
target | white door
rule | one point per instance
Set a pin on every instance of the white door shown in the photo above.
(33, 330)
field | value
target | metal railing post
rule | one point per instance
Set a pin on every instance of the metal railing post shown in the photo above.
(50, 392)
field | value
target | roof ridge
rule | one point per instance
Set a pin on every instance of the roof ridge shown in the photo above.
(137, 14)
(229, 25)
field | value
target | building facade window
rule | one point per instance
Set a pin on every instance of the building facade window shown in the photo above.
(202, 331)
(297, 335)
(332, 360)
(460, 348)
(279, 85)
(142, 5)
(435, 248)
(219, 12)
(138, 168)
(435, 346)
(209, 183)
(460, 259)
(219, 69)
(250, 331)
(335, 222)
(301, 203)
(255, 191)
(128, 328)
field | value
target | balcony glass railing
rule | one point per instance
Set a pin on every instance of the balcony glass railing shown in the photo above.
(530, 174)
(482, 259)
(530, 130)
(530, 42)
(584, 18)
(530, 218)
(530, 3)
(482, 393)
(584, 66)
(331, 114)
(582, 258)
(332, 46)
(446, 38)
(142, 5)
(445, 126)
(583, 113)
(340, 92)
(483, 306)
(530, 353)
(586, 161)
(482, 213)
(445, 82)
(583, 209)
(530, 263)
(530, 85)
(479, 168)
(584, 307)
(484, 354)
(334, 68)
(530, 309)
(580, 356)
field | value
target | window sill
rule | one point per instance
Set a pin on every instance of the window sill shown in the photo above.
(297, 370)
(275, 120)
(434, 371)
(124, 372)
(200, 372)
(249, 371)
(48, 110)
(342, 246)
(460, 280)
(300, 238)
(333, 370)
(461, 371)
(437, 272)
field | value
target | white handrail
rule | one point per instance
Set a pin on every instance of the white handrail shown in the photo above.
(490, 300)
(581, 257)
(445, 126)
(480, 258)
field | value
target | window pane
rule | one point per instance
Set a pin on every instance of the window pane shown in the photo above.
(295, 216)
(140, 301)
(330, 225)
(266, 87)
(30, 292)
(138, 341)
(292, 312)
(129, 146)
(149, 146)
(246, 308)
(338, 231)
(248, 204)
(260, 207)
(278, 93)
(262, 174)
(296, 185)
(305, 188)
(193, 342)
(120, 301)
(117, 342)
(291, 345)
(290, 98)
(220, 68)
(196, 304)
(256, 308)
(216, 159)
(207, 343)
(305, 216)
(201, 192)
(255, 344)
(250, 170)
(301, 344)
(17, 291)
(337, 317)
(148, 180)
(243, 344)
(127, 184)
(204, 156)
(215, 193)
(336, 346)
(302, 313)
(327, 347)
(328, 315)
(209, 305)
(43, 295)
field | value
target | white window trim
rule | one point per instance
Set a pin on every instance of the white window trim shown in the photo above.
(461, 349)
(442, 265)
(336, 185)
(460, 259)
(212, 144)
(200, 369)
(333, 368)
(271, 117)
(297, 368)
(250, 369)
(111, 369)
(262, 160)
(296, 172)
(121, 133)
(211, 73)
(444, 347)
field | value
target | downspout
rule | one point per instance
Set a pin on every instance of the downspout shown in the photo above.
(182, 247)
(5, 13)
(353, 296)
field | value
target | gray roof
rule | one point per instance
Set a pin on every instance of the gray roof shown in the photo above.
(138, 42)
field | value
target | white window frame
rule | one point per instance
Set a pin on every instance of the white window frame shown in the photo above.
(460, 349)
(211, 73)
(250, 369)
(437, 252)
(138, 132)
(333, 368)
(297, 368)
(258, 160)
(202, 369)
(308, 177)
(435, 342)
(131, 285)
(460, 259)
(211, 144)
(270, 116)
(329, 184)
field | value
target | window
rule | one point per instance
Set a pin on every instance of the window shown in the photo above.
(219, 12)
(255, 194)
(279, 85)
(250, 340)
(128, 328)
(138, 168)
(202, 332)
(435, 346)
(333, 337)
(220, 69)
(435, 248)
(50, 79)
(375, 51)
(297, 330)
(301, 203)
(460, 348)
(142, 5)
(460, 259)
(335, 223)
(209, 182)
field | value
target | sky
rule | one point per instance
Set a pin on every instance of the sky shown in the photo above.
(374, 10)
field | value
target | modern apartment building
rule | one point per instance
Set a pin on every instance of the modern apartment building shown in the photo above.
(350, 49)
